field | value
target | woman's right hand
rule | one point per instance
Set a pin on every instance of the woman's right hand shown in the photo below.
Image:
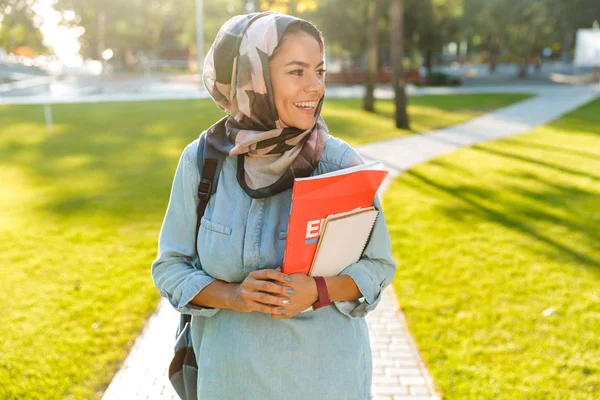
(263, 290)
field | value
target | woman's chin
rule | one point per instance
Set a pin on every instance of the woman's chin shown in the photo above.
(305, 126)
(305, 123)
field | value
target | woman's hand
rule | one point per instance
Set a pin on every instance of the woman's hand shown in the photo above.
(305, 295)
(263, 290)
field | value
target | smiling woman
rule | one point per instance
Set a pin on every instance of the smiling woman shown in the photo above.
(267, 72)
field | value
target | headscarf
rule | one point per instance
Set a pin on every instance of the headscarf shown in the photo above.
(237, 76)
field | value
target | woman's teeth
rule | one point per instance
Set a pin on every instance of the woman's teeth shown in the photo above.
(306, 105)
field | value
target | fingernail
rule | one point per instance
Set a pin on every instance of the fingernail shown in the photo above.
(281, 310)
(287, 278)
(291, 291)
(286, 301)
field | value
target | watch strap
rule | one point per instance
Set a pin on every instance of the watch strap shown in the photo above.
(323, 293)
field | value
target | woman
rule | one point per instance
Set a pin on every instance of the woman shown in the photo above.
(250, 339)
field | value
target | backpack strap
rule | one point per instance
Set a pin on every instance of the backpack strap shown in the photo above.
(209, 169)
(209, 162)
(208, 166)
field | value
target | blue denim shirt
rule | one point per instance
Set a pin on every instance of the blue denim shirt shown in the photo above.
(321, 354)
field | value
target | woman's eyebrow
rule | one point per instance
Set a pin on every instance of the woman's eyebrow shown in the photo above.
(303, 64)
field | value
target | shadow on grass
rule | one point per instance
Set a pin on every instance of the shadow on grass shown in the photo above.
(112, 159)
(515, 217)
(536, 162)
(544, 191)
(526, 198)
(546, 146)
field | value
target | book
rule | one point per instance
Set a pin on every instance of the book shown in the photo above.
(345, 236)
(314, 198)
(343, 241)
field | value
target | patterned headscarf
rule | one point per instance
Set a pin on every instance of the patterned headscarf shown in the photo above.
(237, 76)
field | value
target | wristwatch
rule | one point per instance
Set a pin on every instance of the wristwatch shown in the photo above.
(323, 293)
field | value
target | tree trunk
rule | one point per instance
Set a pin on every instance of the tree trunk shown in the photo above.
(257, 5)
(527, 44)
(494, 50)
(530, 51)
(493, 63)
(397, 43)
(431, 37)
(373, 56)
(429, 63)
(469, 46)
(566, 48)
(537, 58)
(101, 33)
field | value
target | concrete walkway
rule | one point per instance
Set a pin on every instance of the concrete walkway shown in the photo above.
(399, 373)
(150, 90)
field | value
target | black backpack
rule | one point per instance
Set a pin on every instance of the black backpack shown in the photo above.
(183, 370)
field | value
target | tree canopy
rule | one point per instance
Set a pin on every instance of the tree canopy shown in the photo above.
(512, 29)
(19, 25)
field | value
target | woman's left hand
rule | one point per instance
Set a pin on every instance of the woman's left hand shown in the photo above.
(305, 295)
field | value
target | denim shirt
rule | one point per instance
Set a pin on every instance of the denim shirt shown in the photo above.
(239, 234)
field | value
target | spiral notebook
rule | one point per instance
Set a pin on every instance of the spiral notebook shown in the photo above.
(343, 241)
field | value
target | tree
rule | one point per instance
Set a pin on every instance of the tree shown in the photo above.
(566, 18)
(519, 30)
(286, 6)
(397, 46)
(151, 27)
(216, 12)
(373, 55)
(430, 38)
(113, 24)
(19, 25)
(429, 24)
(485, 23)
(343, 24)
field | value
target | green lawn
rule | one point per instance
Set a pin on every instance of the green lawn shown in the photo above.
(347, 120)
(80, 213)
(498, 250)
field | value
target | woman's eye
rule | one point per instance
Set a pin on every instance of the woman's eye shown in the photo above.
(300, 72)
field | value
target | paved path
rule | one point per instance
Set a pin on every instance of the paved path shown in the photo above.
(149, 90)
(399, 372)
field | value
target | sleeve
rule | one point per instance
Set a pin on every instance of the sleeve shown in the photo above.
(376, 268)
(177, 272)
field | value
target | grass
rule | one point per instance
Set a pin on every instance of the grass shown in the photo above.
(346, 119)
(498, 252)
(79, 217)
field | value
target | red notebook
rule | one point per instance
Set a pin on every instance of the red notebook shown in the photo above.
(314, 198)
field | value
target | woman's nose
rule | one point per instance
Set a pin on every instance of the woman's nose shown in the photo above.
(315, 83)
